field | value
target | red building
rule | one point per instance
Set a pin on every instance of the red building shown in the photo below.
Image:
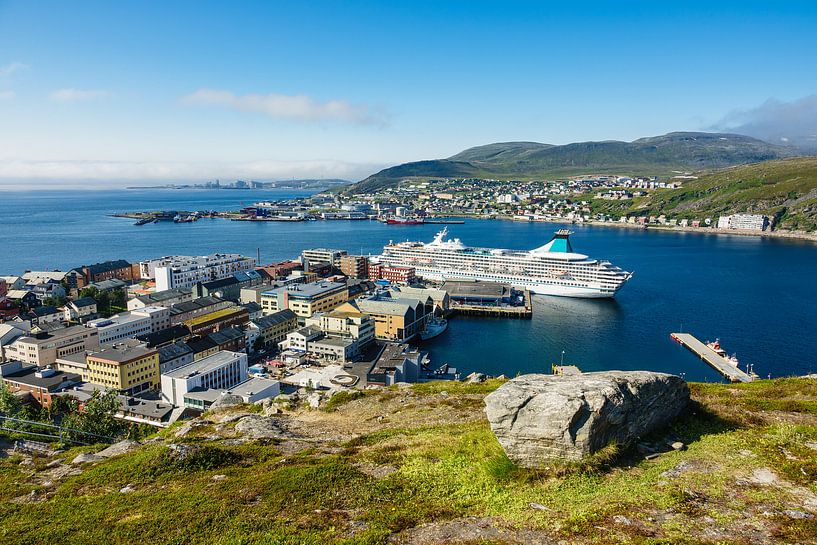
(395, 275)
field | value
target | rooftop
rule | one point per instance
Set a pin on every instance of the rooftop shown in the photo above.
(122, 353)
(314, 289)
(165, 295)
(196, 304)
(276, 318)
(215, 315)
(47, 378)
(205, 365)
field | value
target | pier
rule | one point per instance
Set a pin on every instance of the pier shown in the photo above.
(523, 311)
(717, 362)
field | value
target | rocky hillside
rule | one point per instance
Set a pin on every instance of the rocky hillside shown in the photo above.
(419, 465)
(785, 189)
(532, 160)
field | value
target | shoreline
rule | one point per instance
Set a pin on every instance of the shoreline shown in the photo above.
(790, 235)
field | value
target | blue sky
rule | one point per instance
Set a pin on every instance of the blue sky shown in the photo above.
(108, 91)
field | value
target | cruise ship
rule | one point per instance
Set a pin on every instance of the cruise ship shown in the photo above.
(552, 269)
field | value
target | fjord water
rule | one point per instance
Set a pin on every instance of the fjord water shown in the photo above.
(759, 296)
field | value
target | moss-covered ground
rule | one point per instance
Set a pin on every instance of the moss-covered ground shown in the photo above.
(747, 476)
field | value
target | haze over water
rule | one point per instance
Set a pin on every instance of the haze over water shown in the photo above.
(757, 295)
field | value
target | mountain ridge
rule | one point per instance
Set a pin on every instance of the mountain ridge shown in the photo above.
(653, 155)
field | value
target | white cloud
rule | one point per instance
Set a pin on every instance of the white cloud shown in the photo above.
(78, 95)
(111, 171)
(7, 95)
(776, 121)
(293, 107)
(12, 68)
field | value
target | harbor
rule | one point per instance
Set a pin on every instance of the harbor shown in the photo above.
(719, 362)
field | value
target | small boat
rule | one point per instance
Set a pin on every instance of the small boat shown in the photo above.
(145, 221)
(434, 327)
(716, 347)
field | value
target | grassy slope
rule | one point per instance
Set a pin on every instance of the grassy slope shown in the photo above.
(786, 188)
(658, 155)
(442, 472)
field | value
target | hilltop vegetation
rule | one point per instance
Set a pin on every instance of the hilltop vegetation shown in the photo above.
(421, 466)
(784, 189)
(657, 155)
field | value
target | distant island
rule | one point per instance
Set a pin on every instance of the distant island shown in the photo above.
(319, 184)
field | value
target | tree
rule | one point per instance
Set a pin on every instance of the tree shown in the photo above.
(98, 416)
(9, 403)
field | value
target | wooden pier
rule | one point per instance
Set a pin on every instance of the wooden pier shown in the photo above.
(717, 362)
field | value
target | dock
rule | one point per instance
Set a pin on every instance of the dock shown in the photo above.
(718, 363)
(523, 311)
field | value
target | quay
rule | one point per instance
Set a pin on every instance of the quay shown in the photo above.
(523, 311)
(717, 362)
(444, 222)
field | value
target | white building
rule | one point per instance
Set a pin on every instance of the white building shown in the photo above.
(251, 391)
(323, 255)
(752, 222)
(221, 371)
(184, 271)
(128, 325)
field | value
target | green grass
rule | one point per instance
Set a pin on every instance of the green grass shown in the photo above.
(440, 472)
(786, 189)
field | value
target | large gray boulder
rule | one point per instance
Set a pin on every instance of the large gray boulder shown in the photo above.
(537, 418)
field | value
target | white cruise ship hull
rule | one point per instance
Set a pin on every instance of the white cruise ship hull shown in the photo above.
(538, 288)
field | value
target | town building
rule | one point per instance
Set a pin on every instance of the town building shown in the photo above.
(394, 319)
(251, 390)
(45, 315)
(129, 325)
(273, 328)
(217, 320)
(305, 299)
(166, 298)
(221, 370)
(43, 348)
(354, 266)
(397, 363)
(13, 282)
(229, 287)
(128, 367)
(173, 356)
(322, 255)
(182, 312)
(478, 293)
(40, 383)
(98, 272)
(437, 299)
(80, 310)
(392, 273)
(281, 270)
(112, 284)
(185, 271)
(751, 222)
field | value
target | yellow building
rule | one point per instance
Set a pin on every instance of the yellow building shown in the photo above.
(305, 299)
(394, 319)
(127, 367)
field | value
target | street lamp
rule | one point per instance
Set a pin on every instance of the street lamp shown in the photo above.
(563, 359)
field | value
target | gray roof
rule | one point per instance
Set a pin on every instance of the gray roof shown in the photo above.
(476, 289)
(84, 302)
(196, 304)
(165, 295)
(121, 353)
(173, 351)
(276, 318)
(204, 365)
(388, 306)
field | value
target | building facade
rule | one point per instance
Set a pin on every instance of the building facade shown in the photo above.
(221, 370)
(127, 367)
(185, 271)
(305, 299)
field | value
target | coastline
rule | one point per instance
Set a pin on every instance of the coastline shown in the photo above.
(792, 235)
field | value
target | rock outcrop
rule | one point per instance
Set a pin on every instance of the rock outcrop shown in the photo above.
(537, 418)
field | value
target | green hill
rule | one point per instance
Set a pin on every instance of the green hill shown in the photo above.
(785, 189)
(530, 160)
(420, 466)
